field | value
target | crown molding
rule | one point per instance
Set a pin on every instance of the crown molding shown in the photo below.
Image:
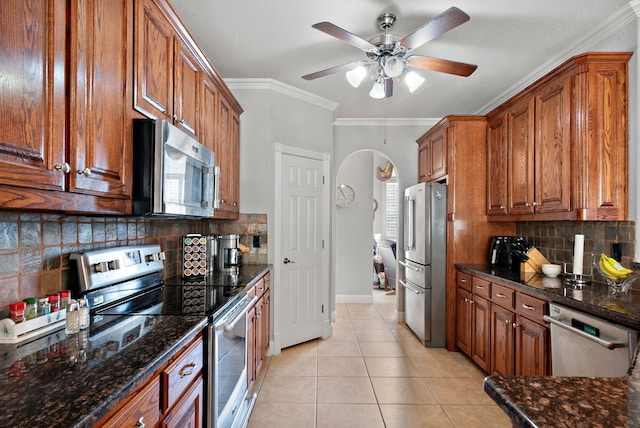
(605, 29)
(281, 88)
(381, 121)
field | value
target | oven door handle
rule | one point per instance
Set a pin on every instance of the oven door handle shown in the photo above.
(236, 314)
(604, 343)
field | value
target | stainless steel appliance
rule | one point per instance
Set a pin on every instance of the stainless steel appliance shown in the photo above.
(508, 251)
(173, 173)
(124, 281)
(228, 253)
(425, 210)
(585, 345)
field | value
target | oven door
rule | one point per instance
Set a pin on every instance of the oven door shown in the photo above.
(227, 359)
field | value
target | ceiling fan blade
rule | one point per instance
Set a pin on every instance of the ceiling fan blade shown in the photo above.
(442, 23)
(344, 35)
(441, 65)
(388, 88)
(336, 69)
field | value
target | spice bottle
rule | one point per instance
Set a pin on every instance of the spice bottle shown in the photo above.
(54, 300)
(85, 319)
(31, 309)
(73, 318)
(65, 297)
(44, 307)
(17, 311)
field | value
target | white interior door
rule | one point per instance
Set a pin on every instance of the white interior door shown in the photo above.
(301, 305)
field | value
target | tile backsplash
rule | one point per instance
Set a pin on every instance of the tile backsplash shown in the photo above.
(555, 239)
(35, 247)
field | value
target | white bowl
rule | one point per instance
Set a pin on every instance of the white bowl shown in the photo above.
(551, 270)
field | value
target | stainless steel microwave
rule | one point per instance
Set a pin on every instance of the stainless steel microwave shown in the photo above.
(173, 174)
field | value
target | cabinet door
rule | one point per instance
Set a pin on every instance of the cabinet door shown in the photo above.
(235, 162)
(188, 411)
(259, 334)
(208, 120)
(424, 161)
(520, 140)
(463, 320)
(100, 131)
(32, 95)
(497, 165)
(553, 147)
(502, 341)
(251, 347)
(531, 348)
(266, 323)
(224, 155)
(481, 333)
(439, 154)
(144, 407)
(186, 94)
(153, 71)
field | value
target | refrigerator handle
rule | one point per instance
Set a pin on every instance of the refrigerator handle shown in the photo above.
(409, 287)
(409, 208)
(403, 263)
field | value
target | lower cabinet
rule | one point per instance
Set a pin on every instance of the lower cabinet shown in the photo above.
(500, 328)
(173, 397)
(258, 328)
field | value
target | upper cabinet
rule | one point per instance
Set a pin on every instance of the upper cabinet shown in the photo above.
(59, 151)
(558, 150)
(432, 154)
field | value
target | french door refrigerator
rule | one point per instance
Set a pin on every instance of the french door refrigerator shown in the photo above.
(425, 248)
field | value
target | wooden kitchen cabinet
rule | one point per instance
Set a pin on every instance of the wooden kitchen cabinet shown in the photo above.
(143, 407)
(66, 151)
(188, 411)
(227, 148)
(502, 340)
(432, 154)
(258, 328)
(565, 143)
(473, 317)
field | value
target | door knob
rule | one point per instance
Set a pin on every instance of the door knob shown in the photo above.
(286, 261)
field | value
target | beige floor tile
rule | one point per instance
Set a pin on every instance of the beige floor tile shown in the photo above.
(381, 349)
(296, 365)
(283, 415)
(343, 335)
(429, 367)
(392, 390)
(306, 348)
(341, 366)
(390, 367)
(423, 416)
(375, 336)
(462, 390)
(473, 369)
(477, 416)
(345, 390)
(349, 416)
(342, 323)
(288, 389)
(378, 324)
(339, 349)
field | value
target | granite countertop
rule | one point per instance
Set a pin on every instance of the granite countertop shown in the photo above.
(557, 401)
(73, 381)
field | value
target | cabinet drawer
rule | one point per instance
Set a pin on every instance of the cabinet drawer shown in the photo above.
(503, 296)
(260, 287)
(181, 373)
(143, 407)
(481, 287)
(463, 280)
(530, 307)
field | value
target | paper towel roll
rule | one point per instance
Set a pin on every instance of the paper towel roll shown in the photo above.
(578, 254)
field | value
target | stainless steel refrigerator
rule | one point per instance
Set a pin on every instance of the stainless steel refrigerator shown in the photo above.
(425, 253)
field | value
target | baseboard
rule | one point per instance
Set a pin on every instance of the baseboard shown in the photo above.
(353, 298)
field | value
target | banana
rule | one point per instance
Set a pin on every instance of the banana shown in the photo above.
(617, 266)
(612, 269)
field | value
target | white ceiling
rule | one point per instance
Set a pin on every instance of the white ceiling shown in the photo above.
(507, 39)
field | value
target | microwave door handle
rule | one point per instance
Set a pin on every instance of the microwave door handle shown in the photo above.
(208, 186)
(216, 187)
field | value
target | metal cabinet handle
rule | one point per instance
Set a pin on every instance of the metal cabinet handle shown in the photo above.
(501, 207)
(535, 204)
(140, 423)
(182, 122)
(65, 168)
(507, 321)
(515, 325)
(527, 204)
(500, 295)
(480, 287)
(86, 172)
(463, 281)
(187, 370)
(527, 307)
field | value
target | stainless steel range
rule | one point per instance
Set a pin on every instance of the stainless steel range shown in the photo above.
(123, 281)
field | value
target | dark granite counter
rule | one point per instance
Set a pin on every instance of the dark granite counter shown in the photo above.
(73, 381)
(555, 401)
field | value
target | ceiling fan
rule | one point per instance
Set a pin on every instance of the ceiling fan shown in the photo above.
(387, 53)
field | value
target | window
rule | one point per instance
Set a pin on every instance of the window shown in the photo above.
(391, 212)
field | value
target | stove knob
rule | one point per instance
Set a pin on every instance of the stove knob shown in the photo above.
(161, 255)
(101, 267)
(151, 258)
(114, 265)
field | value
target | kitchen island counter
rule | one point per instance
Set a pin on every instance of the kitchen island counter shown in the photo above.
(558, 401)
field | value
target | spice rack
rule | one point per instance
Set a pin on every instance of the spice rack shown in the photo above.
(10, 332)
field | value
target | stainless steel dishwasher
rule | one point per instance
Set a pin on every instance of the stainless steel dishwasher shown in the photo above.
(585, 345)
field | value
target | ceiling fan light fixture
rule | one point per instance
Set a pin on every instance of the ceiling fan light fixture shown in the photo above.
(413, 80)
(377, 90)
(393, 66)
(356, 75)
